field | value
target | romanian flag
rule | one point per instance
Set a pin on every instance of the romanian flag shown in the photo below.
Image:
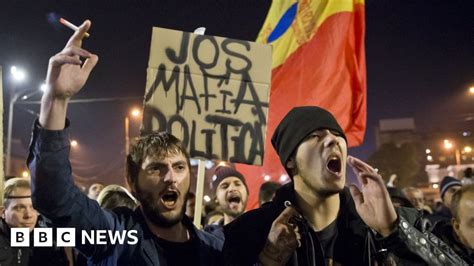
(318, 59)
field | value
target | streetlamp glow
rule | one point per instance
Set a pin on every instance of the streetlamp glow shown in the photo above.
(135, 112)
(447, 144)
(471, 90)
(73, 143)
(467, 149)
(428, 151)
(43, 87)
(18, 74)
(284, 178)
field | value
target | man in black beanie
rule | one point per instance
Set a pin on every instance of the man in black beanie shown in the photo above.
(231, 193)
(313, 220)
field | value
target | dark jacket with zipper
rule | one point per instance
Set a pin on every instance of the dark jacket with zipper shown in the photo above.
(56, 197)
(11, 256)
(355, 244)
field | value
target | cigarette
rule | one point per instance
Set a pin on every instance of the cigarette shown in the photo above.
(72, 26)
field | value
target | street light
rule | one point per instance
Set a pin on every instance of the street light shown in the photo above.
(74, 143)
(18, 76)
(135, 113)
(467, 149)
(471, 90)
(448, 145)
(43, 87)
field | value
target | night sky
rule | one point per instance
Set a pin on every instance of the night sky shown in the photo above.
(420, 58)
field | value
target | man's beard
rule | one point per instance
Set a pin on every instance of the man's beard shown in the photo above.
(152, 212)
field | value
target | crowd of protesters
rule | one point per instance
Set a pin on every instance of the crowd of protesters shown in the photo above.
(314, 219)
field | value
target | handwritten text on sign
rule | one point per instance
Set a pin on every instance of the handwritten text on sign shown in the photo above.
(210, 92)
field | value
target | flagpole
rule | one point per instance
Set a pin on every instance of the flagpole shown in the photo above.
(201, 172)
(199, 193)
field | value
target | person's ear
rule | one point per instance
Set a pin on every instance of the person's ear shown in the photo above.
(2, 211)
(455, 225)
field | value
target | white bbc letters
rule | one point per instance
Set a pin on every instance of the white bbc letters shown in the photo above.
(20, 237)
(66, 237)
(43, 237)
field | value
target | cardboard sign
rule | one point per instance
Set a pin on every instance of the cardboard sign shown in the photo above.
(210, 92)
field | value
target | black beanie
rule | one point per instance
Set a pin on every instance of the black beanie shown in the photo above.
(448, 181)
(223, 172)
(297, 125)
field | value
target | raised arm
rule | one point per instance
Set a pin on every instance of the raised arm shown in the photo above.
(67, 74)
(53, 192)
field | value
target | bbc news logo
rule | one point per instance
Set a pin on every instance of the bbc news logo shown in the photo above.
(66, 237)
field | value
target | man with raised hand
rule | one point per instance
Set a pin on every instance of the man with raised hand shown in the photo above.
(158, 172)
(315, 219)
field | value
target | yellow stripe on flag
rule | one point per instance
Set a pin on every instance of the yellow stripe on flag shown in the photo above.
(310, 15)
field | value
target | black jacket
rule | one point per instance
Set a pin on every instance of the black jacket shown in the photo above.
(11, 255)
(56, 197)
(444, 215)
(445, 232)
(355, 243)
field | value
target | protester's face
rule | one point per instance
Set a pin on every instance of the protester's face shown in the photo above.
(416, 198)
(95, 190)
(232, 196)
(320, 162)
(162, 187)
(464, 228)
(20, 212)
(448, 195)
